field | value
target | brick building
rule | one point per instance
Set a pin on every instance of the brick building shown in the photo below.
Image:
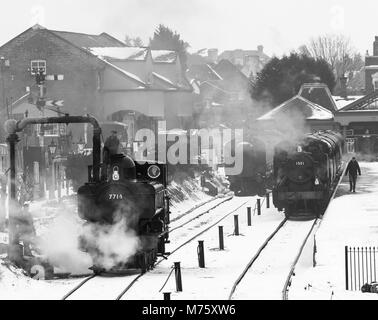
(101, 76)
(90, 74)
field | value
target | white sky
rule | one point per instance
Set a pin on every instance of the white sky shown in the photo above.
(224, 24)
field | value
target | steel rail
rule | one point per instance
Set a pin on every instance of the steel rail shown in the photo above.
(183, 244)
(254, 258)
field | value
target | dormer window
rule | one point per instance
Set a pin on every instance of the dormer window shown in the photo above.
(37, 66)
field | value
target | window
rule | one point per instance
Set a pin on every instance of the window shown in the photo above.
(350, 145)
(374, 78)
(49, 130)
(37, 65)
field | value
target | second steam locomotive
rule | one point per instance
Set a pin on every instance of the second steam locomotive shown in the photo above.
(305, 173)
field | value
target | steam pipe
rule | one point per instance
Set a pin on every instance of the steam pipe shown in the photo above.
(21, 124)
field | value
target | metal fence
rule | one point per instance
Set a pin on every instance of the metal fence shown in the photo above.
(360, 266)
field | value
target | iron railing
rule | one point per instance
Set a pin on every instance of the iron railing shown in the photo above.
(360, 266)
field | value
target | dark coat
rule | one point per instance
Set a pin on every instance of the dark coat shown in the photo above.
(352, 168)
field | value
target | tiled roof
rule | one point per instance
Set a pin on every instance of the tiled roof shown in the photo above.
(318, 93)
(366, 103)
(120, 53)
(203, 72)
(298, 104)
(342, 102)
(89, 40)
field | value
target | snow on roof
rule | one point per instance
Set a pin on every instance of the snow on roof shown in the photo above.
(167, 56)
(342, 102)
(126, 73)
(216, 73)
(89, 40)
(371, 67)
(311, 110)
(163, 78)
(121, 53)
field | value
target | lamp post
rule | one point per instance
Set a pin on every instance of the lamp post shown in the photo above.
(52, 150)
(14, 247)
(4, 63)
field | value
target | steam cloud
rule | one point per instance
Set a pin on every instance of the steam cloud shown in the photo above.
(107, 245)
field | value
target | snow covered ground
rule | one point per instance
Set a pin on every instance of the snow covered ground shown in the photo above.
(16, 285)
(221, 267)
(350, 220)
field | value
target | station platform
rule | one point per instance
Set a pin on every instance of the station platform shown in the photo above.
(351, 219)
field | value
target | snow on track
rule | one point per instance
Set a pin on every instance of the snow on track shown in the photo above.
(222, 267)
(103, 288)
(351, 219)
(267, 276)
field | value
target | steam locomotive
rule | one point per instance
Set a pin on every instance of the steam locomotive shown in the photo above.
(251, 180)
(305, 174)
(135, 192)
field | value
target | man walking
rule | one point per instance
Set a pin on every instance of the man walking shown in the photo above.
(352, 168)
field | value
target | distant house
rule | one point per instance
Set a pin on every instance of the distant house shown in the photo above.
(223, 97)
(250, 62)
(101, 76)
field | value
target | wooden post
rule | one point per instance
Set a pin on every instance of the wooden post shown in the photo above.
(236, 225)
(201, 254)
(178, 276)
(249, 217)
(221, 240)
(258, 207)
(167, 295)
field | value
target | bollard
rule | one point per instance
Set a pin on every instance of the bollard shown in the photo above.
(249, 217)
(267, 200)
(258, 207)
(178, 276)
(201, 254)
(236, 224)
(221, 241)
(167, 295)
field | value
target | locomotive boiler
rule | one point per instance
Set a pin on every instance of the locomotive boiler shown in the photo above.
(305, 173)
(135, 192)
(251, 180)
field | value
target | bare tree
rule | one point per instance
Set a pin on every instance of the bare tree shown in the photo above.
(133, 42)
(138, 42)
(337, 50)
(128, 41)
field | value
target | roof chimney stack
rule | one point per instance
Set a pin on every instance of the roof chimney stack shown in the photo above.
(343, 87)
(375, 46)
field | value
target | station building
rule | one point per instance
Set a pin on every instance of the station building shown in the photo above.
(314, 108)
(94, 74)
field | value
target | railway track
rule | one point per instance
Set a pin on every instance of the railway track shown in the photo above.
(268, 274)
(132, 279)
(269, 243)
